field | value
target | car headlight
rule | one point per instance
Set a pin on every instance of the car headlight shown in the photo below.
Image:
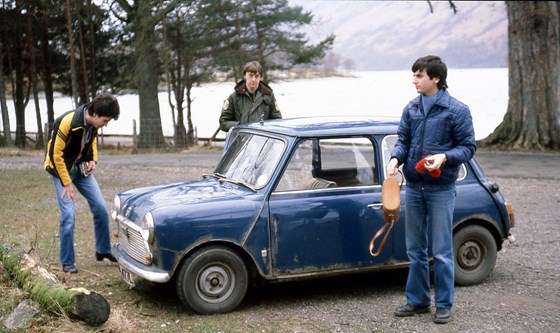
(148, 228)
(116, 207)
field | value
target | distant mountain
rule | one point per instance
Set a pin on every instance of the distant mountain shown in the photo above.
(390, 35)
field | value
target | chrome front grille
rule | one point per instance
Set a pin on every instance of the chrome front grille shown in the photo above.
(132, 242)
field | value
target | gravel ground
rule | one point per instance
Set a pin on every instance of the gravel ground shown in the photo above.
(521, 295)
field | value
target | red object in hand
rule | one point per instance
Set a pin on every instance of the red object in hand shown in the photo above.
(421, 167)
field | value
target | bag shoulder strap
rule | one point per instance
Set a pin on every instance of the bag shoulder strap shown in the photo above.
(386, 228)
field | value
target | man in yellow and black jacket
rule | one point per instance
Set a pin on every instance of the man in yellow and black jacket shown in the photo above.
(71, 159)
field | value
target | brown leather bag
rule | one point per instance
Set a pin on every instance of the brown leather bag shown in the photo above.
(391, 200)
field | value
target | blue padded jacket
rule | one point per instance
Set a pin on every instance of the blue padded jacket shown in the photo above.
(447, 128)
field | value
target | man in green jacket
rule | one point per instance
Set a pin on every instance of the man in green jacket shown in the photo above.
(71, 159)
(251, 101)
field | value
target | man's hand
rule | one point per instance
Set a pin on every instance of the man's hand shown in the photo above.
(393, 167)
(68, 191)
(91, 166)
(434, 162)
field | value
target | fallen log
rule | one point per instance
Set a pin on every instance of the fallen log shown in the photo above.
(43, 287)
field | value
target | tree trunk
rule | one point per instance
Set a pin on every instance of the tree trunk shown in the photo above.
(47, 69)
(19, 88)
(147, 76)
(190, 126)
(39, 144)
(147, 69)
(83, 78)
(44, 289)
(532, 120)
(5, 117)
(92, 70)
(71, 53)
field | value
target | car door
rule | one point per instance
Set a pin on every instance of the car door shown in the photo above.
(319, 214)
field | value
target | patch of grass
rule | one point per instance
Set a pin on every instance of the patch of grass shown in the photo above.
(18, 152)
(30, 221)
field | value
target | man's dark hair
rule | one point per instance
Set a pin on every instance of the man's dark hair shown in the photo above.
(434, 66)
(104, 105)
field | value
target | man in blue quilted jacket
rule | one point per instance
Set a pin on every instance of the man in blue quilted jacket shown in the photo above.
(436, 136)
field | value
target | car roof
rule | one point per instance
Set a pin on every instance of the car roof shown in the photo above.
(325, 126)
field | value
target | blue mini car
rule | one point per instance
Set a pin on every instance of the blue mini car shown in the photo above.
(291, 198)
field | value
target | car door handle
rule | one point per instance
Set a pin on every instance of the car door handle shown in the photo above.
(375, 205)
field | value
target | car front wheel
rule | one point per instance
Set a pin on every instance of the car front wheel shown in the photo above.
(475, 255)
(212, 280)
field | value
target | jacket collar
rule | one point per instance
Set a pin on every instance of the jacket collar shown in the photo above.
(241, 88)
(443, 100)
(79, 119)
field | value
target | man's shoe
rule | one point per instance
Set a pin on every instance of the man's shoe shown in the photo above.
(101, 256)
(442, 316)
(69, 269)
(408, 310)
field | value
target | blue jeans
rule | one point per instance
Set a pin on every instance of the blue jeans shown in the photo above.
(429, 221)
(89, 188)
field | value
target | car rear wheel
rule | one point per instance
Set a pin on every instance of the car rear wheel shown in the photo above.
(475, 255)
(212, 280)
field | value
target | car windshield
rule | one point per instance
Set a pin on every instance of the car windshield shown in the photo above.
(250, 159)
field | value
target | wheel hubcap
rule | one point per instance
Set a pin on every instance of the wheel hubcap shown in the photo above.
(470, 255)
(215, 283)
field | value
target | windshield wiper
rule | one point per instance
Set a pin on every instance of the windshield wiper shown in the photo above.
(237, 182)
(223, 178)
(215, 175)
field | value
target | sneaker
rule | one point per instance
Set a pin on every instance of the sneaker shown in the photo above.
(442, 316)
(408, 310)
(69, 269)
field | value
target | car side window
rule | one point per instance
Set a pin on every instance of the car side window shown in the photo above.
(329, 163)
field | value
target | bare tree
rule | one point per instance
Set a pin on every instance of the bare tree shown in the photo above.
(5, 117)
(71, 51)
(33, 73)
(83, 78)
(18, 66)
(93, 85)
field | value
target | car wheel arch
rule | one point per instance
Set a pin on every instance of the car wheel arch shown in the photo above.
(489, 225)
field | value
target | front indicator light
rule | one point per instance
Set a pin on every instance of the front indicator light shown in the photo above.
(511, 215)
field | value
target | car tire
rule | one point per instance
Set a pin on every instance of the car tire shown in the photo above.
(212, 280)
(475, 254)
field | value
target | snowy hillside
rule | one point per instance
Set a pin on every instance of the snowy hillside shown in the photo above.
(388, 35)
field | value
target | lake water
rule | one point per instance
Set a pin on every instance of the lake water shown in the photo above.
(485, 91)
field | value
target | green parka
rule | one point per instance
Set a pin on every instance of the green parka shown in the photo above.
(240, 108)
